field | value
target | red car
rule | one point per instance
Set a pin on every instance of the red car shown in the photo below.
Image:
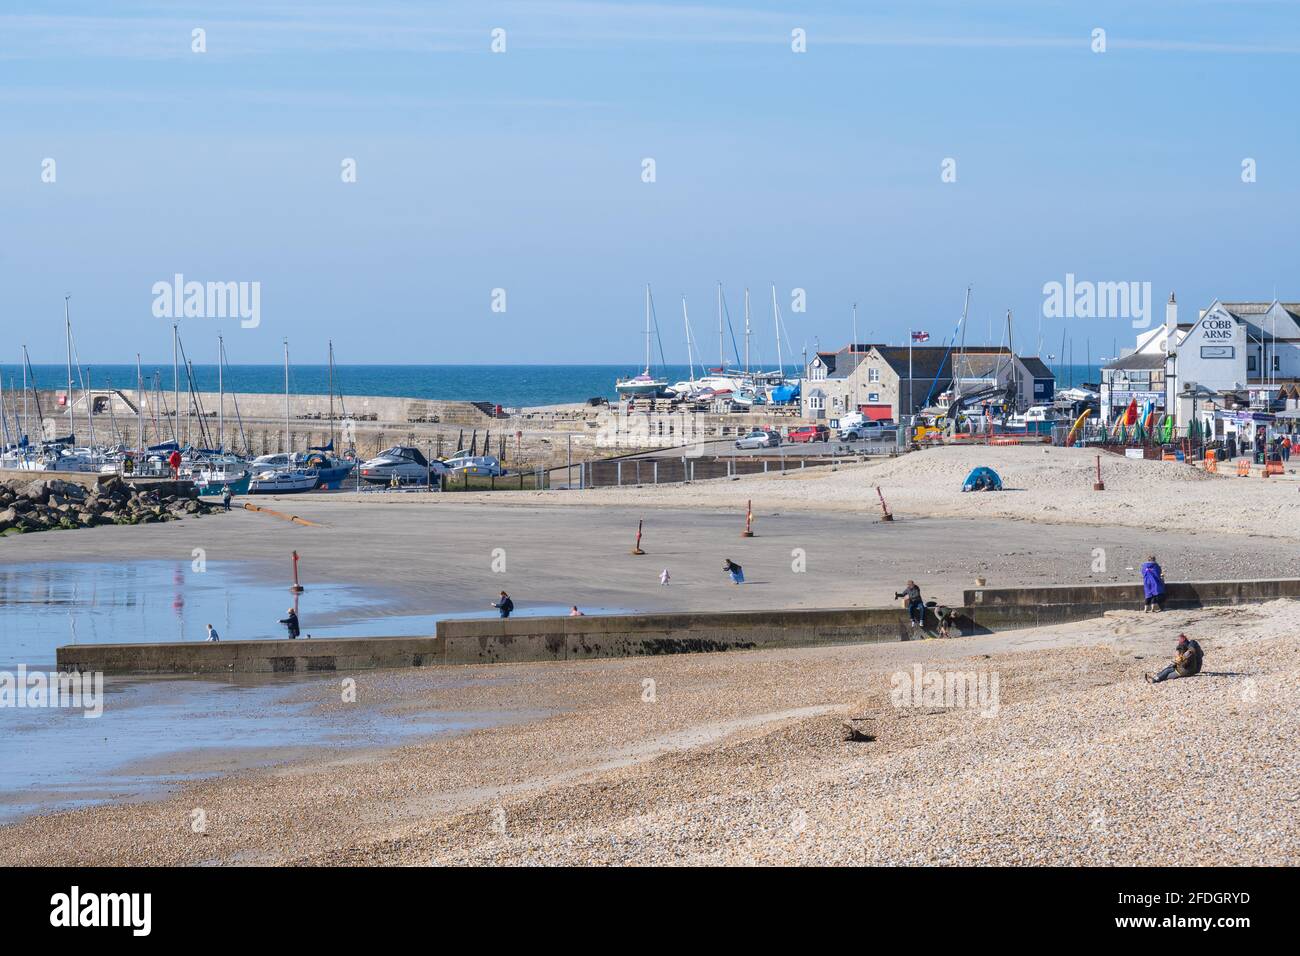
(807, 433)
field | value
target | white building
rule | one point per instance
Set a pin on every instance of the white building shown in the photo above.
(1235, 354)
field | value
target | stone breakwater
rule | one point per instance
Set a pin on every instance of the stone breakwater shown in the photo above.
(54, 504)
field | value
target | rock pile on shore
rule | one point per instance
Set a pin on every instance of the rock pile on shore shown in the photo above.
(52, 504)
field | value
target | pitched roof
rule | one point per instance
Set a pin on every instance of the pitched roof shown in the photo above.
(1036, 368)
(927, 361)
(828, 359)
(1138, 361)
(1255, 313)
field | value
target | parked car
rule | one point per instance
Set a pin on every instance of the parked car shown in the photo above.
(871, 431)
(759, 439)
(808, 433)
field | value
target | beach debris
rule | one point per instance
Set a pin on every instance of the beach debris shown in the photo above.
(857, 729)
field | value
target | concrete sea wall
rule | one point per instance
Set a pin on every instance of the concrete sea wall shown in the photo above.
(522, 639)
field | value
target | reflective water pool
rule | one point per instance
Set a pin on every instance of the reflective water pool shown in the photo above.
(43, 606)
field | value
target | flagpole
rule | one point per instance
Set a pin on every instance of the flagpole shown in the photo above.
(911, 337)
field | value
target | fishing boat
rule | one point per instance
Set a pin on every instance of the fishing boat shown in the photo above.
(282, 482)
(220, 472)
(643, 385)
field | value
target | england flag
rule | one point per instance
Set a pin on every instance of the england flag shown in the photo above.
(920, 336)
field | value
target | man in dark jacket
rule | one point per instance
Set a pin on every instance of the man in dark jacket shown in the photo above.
(504, 605)
(911, 596)
(1187, 662)
(291, 624)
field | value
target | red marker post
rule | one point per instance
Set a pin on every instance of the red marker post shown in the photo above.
(297, 588)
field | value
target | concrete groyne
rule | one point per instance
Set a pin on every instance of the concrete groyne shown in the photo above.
(523, 639)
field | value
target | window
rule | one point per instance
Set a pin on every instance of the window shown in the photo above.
(816, 403)
(873, 397)
(1276, 364)
(873, 375)
(1250, 363)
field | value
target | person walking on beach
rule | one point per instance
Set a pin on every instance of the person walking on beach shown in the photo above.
(1153, 586)
(225, 496)
(291, 624)
(736, 571)
(1285, 447)
(213, 636)
(504, 605)
(664, 577)
(911, 596)
(1187, 662)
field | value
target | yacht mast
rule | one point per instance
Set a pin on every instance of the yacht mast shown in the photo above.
(176, 385)
(67, 329)
(776, 321)
(26, 430)
(962, 348)
(331, 442)
(647, 329)
(722, 349)
(139, 403)
(221, 398)
(690, 353)
(747, 331)
(286, 397)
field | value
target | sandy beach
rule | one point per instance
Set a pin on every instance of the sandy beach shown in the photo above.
(741, 757)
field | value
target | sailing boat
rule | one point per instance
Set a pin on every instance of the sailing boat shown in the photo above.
(644, 385)
(330, 471)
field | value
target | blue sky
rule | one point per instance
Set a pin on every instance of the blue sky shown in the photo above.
(522, 170)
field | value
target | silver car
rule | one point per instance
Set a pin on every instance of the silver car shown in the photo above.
(759, 439)
(871, 431)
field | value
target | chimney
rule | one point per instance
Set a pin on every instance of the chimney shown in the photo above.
(1171, 319)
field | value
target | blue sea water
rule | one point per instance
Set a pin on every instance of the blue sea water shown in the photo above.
(508, 385)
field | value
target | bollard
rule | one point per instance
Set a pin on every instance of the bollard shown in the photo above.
(749, 520)
(1099, 485)
(297, 588)
(637, 548)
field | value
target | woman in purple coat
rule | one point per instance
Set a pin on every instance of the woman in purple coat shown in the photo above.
(1153, 585)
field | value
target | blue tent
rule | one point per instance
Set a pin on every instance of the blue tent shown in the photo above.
(982, 479)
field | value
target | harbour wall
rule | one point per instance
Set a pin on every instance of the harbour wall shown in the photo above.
(524, 639)
(533, 437)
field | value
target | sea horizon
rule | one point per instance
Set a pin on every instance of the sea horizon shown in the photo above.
(511, 385)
